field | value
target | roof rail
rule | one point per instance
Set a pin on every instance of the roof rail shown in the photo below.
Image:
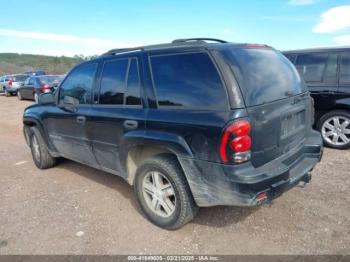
(198, 39)
(121, 50)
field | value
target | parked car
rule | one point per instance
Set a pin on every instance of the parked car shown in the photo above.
(193, 123)
(10, 83)
(36, 73)
(326, 72)
(36, 85)
(2, 83)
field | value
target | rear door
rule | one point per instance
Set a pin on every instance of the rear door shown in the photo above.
(320, 72)
(117, 111)
(276, 99)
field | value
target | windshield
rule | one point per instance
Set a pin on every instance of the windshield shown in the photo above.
(264, 75)
(19, 78)
(50, 79)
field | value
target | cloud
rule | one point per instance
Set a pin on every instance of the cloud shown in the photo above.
(70, 44)
(333, 20)
(301, 2)
(342, 40)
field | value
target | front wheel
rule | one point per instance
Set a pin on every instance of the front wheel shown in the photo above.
(36, 98)
(163, 192)
(335, 129)
(40, 152)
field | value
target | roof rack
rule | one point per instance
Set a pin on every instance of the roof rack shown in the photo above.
(121, 50)
(172, 44)
(185, 40)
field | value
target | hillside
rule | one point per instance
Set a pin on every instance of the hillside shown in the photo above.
(19, 63)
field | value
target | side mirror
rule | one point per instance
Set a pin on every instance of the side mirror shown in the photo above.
(46, 99)
(70, 103)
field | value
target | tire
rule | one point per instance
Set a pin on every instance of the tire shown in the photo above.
(40, 152)
(19, 96)
(333, 134)
(36, 98)
(183, 206)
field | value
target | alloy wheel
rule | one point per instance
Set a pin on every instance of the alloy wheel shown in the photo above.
(336, 130)
(36, 148)
(159, 194)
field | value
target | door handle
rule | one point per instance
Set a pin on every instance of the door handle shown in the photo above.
(81, 119)
(130, 124)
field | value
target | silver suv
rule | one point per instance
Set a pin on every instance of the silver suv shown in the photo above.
(10, 83)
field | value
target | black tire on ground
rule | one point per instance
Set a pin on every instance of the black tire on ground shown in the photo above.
(19, 96)
(336, 113)
(185, 206)
(42, 159)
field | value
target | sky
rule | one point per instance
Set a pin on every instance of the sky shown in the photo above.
(74, 27)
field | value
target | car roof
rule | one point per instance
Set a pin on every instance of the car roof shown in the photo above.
(180, 44)
(318, 49)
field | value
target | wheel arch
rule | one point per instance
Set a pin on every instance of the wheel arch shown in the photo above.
(29, 122)
(149, 145)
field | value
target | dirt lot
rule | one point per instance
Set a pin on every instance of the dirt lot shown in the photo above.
(74, 209)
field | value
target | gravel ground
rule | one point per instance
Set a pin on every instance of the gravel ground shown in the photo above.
(74, 209)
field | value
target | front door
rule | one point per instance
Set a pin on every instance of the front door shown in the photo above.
(66, 123)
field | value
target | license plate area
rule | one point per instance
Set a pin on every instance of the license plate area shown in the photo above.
(292, 123)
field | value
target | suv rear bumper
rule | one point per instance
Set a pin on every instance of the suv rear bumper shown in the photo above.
(12, 90)
(218, 184)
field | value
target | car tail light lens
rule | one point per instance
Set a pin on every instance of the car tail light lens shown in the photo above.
(236, 143)
(45, 88)
(10, 82)
(241, 144)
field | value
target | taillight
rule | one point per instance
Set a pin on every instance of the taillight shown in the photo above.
(241, 144)
(45, 88)
(10, 82)
(236, 142)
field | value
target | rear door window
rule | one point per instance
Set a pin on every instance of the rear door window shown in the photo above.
(312, 66)
(330, 74)
(120, 83)
(344, 77)
(132, 96)
(188, 80)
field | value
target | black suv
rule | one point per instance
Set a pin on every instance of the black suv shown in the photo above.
(194, 123)
(326, 72)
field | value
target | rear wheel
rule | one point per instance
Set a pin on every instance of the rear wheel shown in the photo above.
(335, 129)
(163, 192)
(40, 152)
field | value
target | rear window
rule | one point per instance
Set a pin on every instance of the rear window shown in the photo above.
(50, 79)
(19, 78)
(264, 75)
(187, 80)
